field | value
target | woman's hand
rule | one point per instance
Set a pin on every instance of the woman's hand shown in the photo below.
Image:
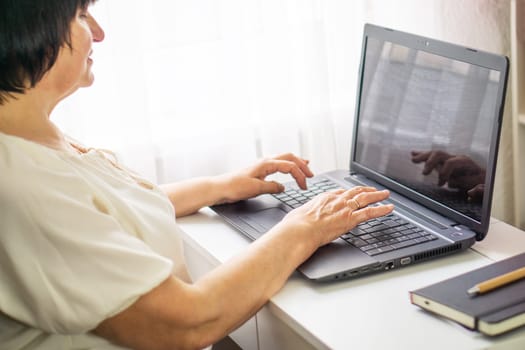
(251, 182)
(190, 195)
(332, 214)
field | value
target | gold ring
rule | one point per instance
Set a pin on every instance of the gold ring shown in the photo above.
(355, 203)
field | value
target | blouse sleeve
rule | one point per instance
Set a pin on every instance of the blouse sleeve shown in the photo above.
(65, 266)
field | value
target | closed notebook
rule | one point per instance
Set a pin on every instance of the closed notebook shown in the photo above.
(491, 313)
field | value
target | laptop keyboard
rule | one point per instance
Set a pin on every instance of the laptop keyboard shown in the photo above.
(385, 234)
(296, 197)
(375, 236)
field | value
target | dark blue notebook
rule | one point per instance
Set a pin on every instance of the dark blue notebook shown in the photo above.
(492, 313)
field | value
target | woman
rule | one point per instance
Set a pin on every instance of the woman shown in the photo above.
(90, 254)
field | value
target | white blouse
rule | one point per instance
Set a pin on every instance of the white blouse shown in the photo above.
(80, 241)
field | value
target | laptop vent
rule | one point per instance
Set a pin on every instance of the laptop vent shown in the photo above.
(437, 252)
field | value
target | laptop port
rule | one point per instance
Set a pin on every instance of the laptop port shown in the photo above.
(389, 265)
(405, 261)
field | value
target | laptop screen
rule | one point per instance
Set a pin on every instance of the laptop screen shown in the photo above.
(427, 122)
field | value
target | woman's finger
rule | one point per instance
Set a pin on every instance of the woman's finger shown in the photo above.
(365, 214)
(272, 166)
(360, 197)
(357, 190)
(271, 187)
(300, 162)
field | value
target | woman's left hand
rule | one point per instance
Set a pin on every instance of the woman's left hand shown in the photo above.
(251, 182)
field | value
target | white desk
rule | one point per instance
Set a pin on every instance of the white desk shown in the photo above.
(367, 313)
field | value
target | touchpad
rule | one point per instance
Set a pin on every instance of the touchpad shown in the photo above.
(263, 220)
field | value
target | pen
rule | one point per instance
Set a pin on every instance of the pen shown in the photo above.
(497, 282)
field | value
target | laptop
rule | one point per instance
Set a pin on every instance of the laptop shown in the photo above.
(421, 103)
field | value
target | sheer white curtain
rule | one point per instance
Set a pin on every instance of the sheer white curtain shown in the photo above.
(186, 88)
(192, 87)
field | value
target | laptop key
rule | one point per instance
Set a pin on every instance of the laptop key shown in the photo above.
(356, 242)
(358, 231)
(372, 246)
(366, 237)
(430, 237)
(414, 235)
(404, 244)
(421, 239)
(364, 226)
(379, 250)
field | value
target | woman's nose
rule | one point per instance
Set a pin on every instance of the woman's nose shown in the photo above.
(96, 30)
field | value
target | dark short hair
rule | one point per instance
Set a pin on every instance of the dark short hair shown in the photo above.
(31, 35)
